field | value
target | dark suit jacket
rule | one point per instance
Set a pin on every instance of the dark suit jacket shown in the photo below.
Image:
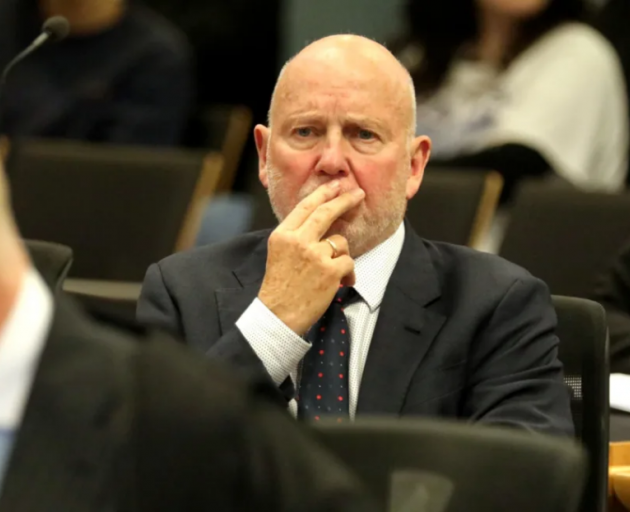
(117, 425)
(460, 333)
(613, 292)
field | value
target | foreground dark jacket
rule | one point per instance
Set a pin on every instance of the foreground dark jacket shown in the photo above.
(117, 423)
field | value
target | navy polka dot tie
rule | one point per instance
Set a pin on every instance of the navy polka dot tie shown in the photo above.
(323, 386)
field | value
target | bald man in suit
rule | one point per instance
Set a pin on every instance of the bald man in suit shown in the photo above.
(343, 307)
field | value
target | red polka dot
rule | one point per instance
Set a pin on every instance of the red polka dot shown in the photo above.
(316, 418)
(339, 420)
(339, 299)
(320, 375)
(340, 398)
(319, 397)
(321, 352)
(340, 286)
(343, 331)
(340, 375)
(322, 329)
(341, 354)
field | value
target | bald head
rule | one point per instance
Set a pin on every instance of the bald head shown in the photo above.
(351, 61)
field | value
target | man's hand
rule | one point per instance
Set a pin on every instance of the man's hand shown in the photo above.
(303, 271)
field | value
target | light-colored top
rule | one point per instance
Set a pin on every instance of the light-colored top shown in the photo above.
(281, 350)
(563, 97)
(22, 340)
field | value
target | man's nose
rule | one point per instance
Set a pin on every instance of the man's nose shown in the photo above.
(334, 158)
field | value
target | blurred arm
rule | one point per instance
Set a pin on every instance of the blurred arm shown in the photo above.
(151, 107)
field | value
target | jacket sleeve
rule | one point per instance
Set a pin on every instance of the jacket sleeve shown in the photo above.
(516, 378)
(157, 308)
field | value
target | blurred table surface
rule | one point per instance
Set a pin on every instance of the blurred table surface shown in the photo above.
(619, 470)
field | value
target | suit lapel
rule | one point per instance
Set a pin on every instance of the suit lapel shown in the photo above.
(74, 424)
(404, 332)
(232, 302)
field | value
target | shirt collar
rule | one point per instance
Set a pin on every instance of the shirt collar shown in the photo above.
(374, 268)
(22, 340)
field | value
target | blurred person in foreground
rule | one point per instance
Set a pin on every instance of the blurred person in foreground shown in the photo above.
(343, 307)
(613, 292)
(95, 419)
(519, 86)
(122, 76)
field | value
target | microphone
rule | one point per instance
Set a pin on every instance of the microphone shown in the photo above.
(54, 29)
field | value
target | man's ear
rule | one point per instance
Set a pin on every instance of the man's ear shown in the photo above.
(261, 136)
(420, 152)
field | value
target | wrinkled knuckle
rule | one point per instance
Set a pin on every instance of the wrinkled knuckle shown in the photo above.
(277, 237)
(348, 263)
(317, 220)
(303, 246)
(305, 205)
(326, 210)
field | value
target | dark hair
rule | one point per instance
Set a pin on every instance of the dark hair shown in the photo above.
(442, 27)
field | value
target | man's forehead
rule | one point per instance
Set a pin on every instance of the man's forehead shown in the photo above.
(311, 92)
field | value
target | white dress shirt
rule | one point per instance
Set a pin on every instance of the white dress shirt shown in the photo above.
(281, 349)
(22, 340)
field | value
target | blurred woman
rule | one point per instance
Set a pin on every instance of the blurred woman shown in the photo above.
(520, 86)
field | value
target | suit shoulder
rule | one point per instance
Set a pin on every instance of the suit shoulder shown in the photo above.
(464, 262)
(226, 254)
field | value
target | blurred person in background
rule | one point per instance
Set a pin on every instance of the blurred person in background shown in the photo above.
(611, 19)
(97, 419)
(122, 76)
(613, 292)
(519, 86)
(343, 307)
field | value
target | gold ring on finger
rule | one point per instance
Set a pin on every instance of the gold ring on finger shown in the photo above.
(334, 247)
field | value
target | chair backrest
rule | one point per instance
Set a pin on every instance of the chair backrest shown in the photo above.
(5, 148)
(108, 309)
(564, 236)
(119, 208)
(583, 351)
(52, 261)
(455, 206)
(227, 129)
(429, 465)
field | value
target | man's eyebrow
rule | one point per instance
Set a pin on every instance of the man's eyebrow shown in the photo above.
(311, 116)
(369, 122)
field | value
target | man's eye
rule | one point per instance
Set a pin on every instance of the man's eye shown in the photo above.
(304, 132)
(365, 134)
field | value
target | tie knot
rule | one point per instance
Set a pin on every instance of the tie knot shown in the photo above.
(345, 295)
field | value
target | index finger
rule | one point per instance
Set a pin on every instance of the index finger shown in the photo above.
(309, 204)
(319, 222)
